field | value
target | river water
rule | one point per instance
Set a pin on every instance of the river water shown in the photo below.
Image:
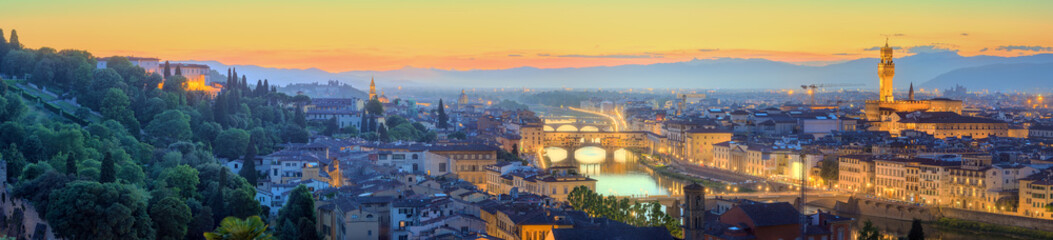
(616, 171)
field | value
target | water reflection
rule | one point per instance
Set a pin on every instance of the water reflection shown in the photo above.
(616, 170)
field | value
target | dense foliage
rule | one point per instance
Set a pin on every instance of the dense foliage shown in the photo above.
(123, 153)
(647, 214)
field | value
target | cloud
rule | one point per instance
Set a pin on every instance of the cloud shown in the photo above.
(709, 50)
(543, 55)
(965, 34)
(875, 48)
(608, 56)
(899, 35)
(983, 50)
(515, 55)
(845, 54)
(934, 48)
(1011, 48)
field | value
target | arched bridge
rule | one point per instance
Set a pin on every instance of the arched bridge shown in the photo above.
(577, 126)
(819, 199)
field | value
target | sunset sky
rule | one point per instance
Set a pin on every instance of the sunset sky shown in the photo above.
(383, 35)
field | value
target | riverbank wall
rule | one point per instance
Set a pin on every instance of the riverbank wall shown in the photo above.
(908, 212)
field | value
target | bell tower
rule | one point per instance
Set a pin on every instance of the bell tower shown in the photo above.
(886, 70)
(372, 89)
(694, 211)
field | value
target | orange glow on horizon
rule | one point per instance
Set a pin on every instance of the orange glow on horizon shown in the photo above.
(337, 36)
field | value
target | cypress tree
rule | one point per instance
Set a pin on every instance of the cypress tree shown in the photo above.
(382, 132)
(15, 45)
(266, 86)
(228, 78)
(443, 119)
(178, 70)
(362, 126)
(244, 83)
(71, 165)
(372, 124)
(307, 230)
(168, 70)
(3, 45)
(107, 172)
(216, 201)
(916, 232)
(259, 88)
(299, 118)
(248, 168)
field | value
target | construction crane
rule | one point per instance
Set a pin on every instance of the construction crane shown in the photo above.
(810, 88)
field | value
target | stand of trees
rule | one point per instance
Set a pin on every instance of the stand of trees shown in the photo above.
(647, 214)
(146, 170)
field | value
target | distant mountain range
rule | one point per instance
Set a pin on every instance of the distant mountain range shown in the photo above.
(928, 70)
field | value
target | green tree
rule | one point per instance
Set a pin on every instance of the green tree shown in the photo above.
(182, 179)
(242, 203)
(916, 231)
(171, 217)
(382, 132)
(231, 228)
(294, 133)
(15, 162)
(299, 118)
(3, 46)
(92, 210)
(394, 120)
(217, 201)
(19, 62)
(869, 232)
(444, 121)
(38, 189)
(201, 223)
(307, 230)
(300, 204)
(115, 106)
(71, 165)
(829, 170)
(175, 84)
(248, 167)
(169, 127)
(168, 70)
(457, 135)
(108, 171)
(288, 231)
(331, 126)
(231, 143)
(374, 107)
(11, 108)
(14, 43)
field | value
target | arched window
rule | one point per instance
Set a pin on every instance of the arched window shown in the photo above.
(414, 156)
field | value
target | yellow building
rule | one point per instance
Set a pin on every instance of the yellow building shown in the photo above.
(532, 137)
(700, 143)
(967, 186)
(469, 161)
(556, 182)
(1036, 195)
(855, 173)
(946, 124)
(520, 222)
(343, 218)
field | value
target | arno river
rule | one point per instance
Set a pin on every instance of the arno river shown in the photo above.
(616, 171)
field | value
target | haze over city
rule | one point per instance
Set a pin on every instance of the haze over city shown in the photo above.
(526, 120)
